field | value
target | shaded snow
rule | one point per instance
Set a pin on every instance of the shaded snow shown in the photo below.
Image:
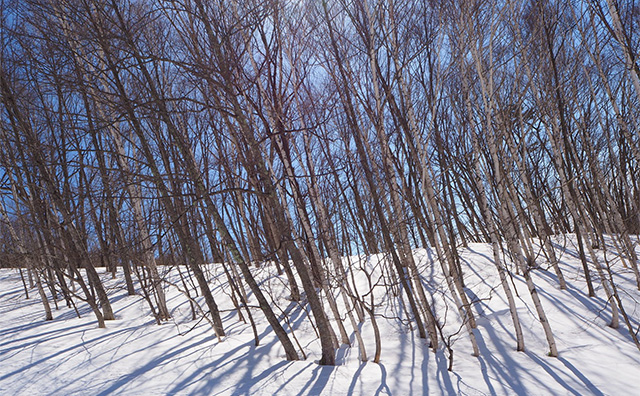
(134, 356)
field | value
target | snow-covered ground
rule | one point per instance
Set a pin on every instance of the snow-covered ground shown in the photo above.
(134, 356)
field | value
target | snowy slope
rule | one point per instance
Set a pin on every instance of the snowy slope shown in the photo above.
(134, 356)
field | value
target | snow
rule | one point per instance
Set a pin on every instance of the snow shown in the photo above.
(134, 356)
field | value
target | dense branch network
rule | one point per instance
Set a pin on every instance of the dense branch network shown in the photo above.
(143, 135)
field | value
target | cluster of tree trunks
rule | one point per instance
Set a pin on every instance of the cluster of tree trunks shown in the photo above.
(146, 135)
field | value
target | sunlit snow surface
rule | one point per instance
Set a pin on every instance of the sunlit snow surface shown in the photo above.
(134, 356)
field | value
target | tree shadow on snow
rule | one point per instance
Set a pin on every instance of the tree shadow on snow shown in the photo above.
(121, 382)
(245, 358)
(505, 375)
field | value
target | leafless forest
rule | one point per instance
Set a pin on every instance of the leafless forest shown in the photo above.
(137, 135)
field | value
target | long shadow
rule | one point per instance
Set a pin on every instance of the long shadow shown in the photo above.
(444, 380)
(16, 291)
(484, 370)
(296, 316)
(131, 338)
(21, 328)
(318, 381)
(295, 312)
(383, 381)
(476, 302)
(429, 263)
(568, 246)
(477, 253)
(22, 343)
(244, 388)
(507, 371)
(291, 378)
(343, 352)
(408, 340)
(202, 374)
(425, 371)
(509, 382)
(204, 381)
(251, 360)
(412, 345)
(122, 381)
(574, 291)
(592, 388)
(63, 351)
(552, 372)
(354, 380)
(588, 302)
(70, 314)
(597, 305)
